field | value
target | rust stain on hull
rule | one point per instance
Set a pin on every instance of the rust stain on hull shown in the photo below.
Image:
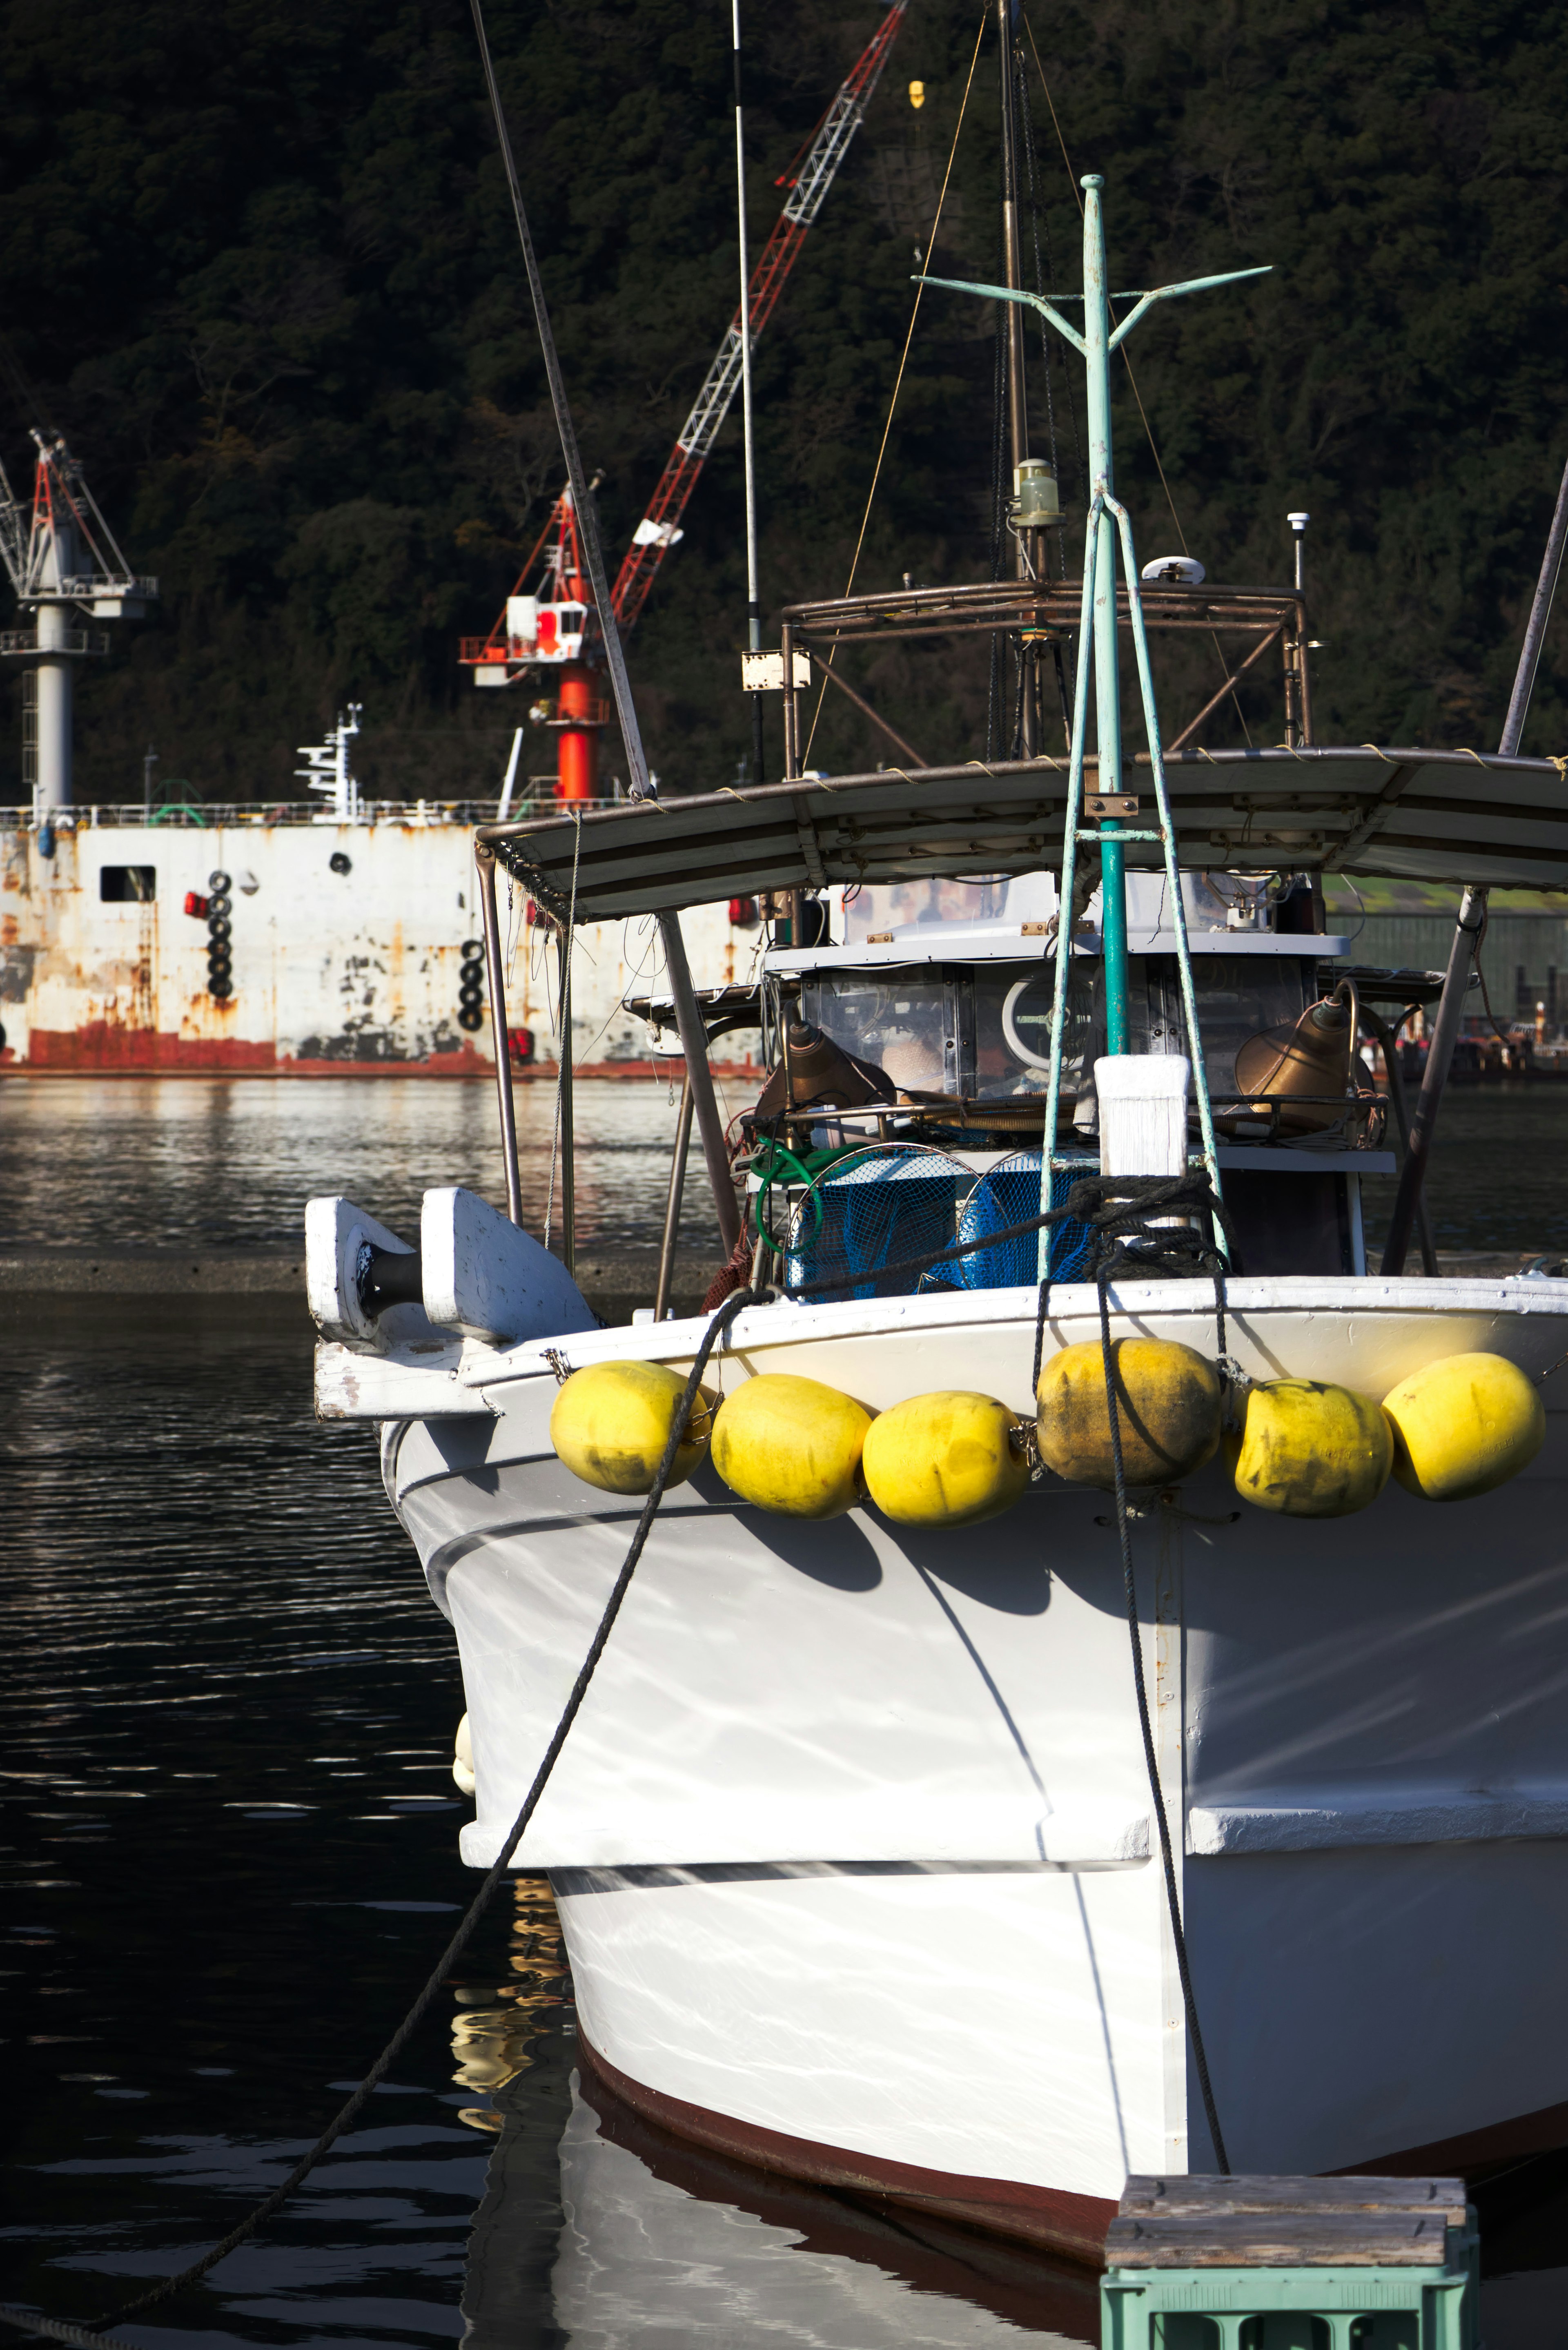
(106, 1048)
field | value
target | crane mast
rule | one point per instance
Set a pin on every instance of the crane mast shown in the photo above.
(64, 564)
(507, 652)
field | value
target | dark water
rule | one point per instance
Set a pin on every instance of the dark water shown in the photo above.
(1499, 1173)
(157, 1162)
(228, 1858)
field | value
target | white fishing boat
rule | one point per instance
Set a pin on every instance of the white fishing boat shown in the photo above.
(885, 1857)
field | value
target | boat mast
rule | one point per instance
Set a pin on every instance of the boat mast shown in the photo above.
(688, 1015)
(753, 590)
(1107, 667)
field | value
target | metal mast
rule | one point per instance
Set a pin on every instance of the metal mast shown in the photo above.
(63, 563)
(658, 531)
(743, 321)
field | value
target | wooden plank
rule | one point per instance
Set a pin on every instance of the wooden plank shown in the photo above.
(1178, 2197)
(1280, 2239)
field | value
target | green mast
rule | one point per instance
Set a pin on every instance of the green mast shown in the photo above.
(1107, 539)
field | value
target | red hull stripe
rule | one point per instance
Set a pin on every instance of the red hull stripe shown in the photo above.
(1048, 2217)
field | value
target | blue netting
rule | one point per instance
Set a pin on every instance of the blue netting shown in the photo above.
(1010, 1194)
(885, 1207)
(870, 1212)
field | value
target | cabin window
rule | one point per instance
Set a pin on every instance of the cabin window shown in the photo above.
(902, 1022)
(124, 885)
(1239, 996)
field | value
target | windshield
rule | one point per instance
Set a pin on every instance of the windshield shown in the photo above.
(900, 1021)
(866, 912)
(982, 1031)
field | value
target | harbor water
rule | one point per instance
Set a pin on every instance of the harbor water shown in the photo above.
(230, 1846)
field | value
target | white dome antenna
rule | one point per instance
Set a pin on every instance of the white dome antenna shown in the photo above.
(1174, 571)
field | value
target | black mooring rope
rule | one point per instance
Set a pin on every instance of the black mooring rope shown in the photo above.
(1151, 1761)
(92, 2336)
(27, 2321)
(1119, 1209)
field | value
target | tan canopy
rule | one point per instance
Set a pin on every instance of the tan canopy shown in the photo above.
(1419, 816)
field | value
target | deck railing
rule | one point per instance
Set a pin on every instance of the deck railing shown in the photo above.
(213, 814)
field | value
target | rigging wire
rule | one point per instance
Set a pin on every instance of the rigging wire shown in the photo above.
(899, 379)
(997, 688)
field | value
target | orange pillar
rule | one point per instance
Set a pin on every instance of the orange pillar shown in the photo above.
(577, 774)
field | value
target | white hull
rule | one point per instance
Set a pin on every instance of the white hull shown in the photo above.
(852, 1837)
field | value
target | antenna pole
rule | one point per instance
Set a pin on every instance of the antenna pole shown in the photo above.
(1011, 262)
(754, 588)
(1017, 380)
(688, 1016)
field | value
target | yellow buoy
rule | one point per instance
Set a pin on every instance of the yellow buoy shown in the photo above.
(945, 1459)
(1311, 1450)
(791, 1445)
(1463, 1425)
(1167, 1408)
(611, 1422)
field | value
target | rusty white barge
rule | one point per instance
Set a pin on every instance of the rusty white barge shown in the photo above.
(284, 942)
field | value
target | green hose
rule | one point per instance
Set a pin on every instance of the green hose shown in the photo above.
(800, 1168)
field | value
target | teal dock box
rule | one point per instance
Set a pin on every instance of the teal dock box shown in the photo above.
(1267, 2263)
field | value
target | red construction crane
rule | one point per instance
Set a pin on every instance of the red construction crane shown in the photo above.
(507, 652)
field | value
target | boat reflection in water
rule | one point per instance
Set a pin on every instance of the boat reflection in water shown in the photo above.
(625, 2234)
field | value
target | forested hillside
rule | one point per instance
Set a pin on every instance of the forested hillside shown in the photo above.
(257, 262)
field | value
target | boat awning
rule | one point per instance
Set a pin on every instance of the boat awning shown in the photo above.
(1404, 815)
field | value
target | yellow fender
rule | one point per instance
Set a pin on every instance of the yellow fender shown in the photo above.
(1167, 1408)
(791, 1445)
(945, 1459)
(1463, 1426)
(1308, 1450)
(611, 1422)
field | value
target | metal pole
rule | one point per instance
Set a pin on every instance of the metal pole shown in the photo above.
(503, 805)
(568, 1132)
(1013, 275)
(150, 761)
(694, 1045)
(484, 858)
(754, 589)
(1295, 646)
(1473, 911)
(693, 1036)
(672, 1202)
(1444, 1035)
(53, 708)
(791, 705)
(1108, 672)
(1017, 381)
(1387, 1039)
(1535, 628)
